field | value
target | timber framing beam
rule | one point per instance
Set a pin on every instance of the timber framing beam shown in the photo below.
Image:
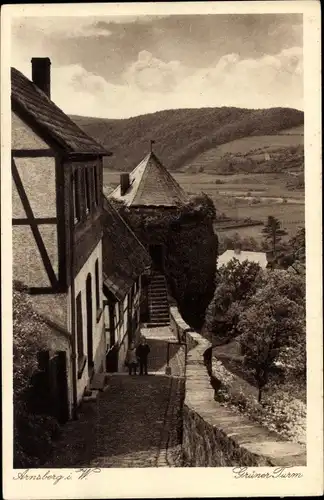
(25, 222)
(33, 153)
(34, 227)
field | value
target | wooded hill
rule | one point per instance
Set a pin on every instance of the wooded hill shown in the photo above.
(181, 134)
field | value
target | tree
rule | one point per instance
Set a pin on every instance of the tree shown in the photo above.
(298, 244)
(273, 331)
(236, 283)
(273, 233)
(292, 253)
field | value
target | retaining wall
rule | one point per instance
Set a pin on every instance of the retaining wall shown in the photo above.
(213, 435)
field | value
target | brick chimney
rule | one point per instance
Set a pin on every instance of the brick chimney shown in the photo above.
(124, 183)
(41, 74)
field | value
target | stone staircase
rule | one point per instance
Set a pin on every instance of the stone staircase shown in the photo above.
(158, 301)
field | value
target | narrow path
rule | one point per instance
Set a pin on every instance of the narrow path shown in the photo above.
(135, 422)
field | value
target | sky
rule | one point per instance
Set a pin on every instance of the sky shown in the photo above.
(123, 66)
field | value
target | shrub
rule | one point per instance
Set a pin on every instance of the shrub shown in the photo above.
(33, 434)
(279, 412)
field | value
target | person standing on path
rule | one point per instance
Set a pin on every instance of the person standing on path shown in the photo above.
(131, 359)
(142, 353)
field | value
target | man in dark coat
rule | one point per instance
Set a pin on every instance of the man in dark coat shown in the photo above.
(142, 353)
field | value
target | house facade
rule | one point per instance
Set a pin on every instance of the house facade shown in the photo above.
(57, 225)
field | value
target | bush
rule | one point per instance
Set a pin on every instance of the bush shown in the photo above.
(33, 434)
(279, 412)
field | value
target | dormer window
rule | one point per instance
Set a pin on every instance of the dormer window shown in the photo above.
(85, 191)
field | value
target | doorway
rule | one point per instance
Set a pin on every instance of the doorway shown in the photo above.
(157, 256)
(89, 324)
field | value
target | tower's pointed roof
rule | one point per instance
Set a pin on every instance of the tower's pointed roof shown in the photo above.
(151, 185)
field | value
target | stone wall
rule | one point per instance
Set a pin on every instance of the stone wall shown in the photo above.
(180, 328)
(213, 435)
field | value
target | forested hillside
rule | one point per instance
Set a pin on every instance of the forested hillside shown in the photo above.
(181, 134)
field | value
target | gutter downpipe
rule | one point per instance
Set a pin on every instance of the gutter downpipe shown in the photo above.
(73, 330)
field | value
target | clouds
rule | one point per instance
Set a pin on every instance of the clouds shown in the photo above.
(52, 28)
(118, 67)
(152, 74)
(151, 84)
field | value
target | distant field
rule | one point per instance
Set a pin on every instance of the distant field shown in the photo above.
(291, 215)
(268, 142)
(258, 184)
(209, 159)
(299, 130)
(111, 178)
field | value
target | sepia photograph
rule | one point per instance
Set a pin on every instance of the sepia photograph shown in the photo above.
(159, 241)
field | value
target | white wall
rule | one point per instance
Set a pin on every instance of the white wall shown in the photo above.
(121, 324)
(22, 137)
(98, 338)
(38, 179)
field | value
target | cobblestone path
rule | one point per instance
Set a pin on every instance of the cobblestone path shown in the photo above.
(135, 422)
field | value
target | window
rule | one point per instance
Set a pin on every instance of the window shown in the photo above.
(116, 313)
(79, 325)
(87, 179)
(97, 285)
(95, 185)
(76, 196)
(121, 311)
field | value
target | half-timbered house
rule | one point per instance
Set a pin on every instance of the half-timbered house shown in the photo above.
(57, 223)
(125, 263)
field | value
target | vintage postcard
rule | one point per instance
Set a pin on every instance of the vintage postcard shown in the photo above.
(161, 250)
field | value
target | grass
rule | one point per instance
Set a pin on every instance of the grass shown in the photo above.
(229, 355)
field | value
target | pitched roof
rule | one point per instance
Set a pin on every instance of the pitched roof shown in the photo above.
(124, 257)
(151, 185)
(48, 118)
(242, 255)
